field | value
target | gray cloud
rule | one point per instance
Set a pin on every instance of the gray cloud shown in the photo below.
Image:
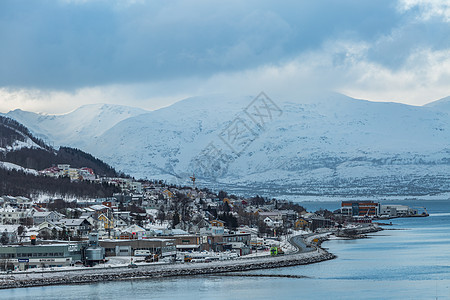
(68, 45)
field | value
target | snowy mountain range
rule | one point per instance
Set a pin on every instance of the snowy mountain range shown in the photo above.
(321, 145)
(79, 127)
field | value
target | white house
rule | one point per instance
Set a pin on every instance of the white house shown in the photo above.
(46, 216)
(272, 223)
(10, 215)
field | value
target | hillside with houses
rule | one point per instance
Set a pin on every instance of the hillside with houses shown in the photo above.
(149, 209)
(164, 220)
(65, 207)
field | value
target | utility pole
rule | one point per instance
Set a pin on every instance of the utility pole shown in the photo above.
(193, 180)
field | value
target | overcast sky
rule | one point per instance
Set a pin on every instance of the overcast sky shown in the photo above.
(58, 55)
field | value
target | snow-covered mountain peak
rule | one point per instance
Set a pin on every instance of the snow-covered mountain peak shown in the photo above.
(76, 127)
(94, 109)
(320, 143)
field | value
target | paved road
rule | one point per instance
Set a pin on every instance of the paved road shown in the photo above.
(299, 242)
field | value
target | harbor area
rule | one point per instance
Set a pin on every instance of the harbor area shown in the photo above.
(306, 251)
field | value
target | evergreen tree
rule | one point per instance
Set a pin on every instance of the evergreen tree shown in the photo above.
(4, 240)
(175, 219)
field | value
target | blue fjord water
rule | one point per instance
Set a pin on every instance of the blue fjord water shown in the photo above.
(409, 260)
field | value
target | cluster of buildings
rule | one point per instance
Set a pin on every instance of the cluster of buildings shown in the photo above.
(85, 173)
(150, 220)
(141, 218)
(157, 219)
(64, 170)
(372, 209)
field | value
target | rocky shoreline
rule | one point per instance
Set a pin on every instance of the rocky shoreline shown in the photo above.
(22, 280)
(314, 254)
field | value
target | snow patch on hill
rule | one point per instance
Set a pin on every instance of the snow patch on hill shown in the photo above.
(11, 166)
(17, 145)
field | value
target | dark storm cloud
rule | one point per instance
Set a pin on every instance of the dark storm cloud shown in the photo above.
(65, 45)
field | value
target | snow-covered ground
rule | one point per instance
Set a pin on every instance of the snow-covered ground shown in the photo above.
(11, 166)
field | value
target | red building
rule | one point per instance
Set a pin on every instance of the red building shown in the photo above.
(360, 208)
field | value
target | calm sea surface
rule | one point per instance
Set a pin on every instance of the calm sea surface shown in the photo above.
(411, 260)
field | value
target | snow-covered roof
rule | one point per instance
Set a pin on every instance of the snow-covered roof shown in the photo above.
(72, 222)
(42, 213)
(179, 232)
(134, 228)
(8, 228)
(270, 213)
(98, 207)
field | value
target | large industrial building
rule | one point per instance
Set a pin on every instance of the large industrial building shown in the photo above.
(32, 256)
(161, 247)
(360, 208)
(375, 209)
(27, 256)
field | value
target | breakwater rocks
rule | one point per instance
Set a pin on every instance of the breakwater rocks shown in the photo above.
(358, 232)
(157, 271)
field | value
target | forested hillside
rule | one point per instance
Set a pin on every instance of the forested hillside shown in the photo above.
(14, 182)
(19, 147)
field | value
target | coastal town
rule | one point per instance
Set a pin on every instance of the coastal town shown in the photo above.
(154, 223)
(224, 150)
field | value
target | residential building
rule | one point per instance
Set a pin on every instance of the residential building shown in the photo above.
(46, 216)
(80, 227)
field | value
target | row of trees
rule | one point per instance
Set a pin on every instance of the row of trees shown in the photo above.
(13, 182)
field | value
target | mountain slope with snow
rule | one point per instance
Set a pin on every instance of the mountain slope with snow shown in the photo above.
(11, 166)
(325, 144)
(79, 127)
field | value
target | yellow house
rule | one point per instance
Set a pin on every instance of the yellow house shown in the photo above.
(106, 222)
(168, 193)
(257, 211)
(301, 224)
(216, 223)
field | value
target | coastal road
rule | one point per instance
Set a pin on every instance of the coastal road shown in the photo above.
(299, 242)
